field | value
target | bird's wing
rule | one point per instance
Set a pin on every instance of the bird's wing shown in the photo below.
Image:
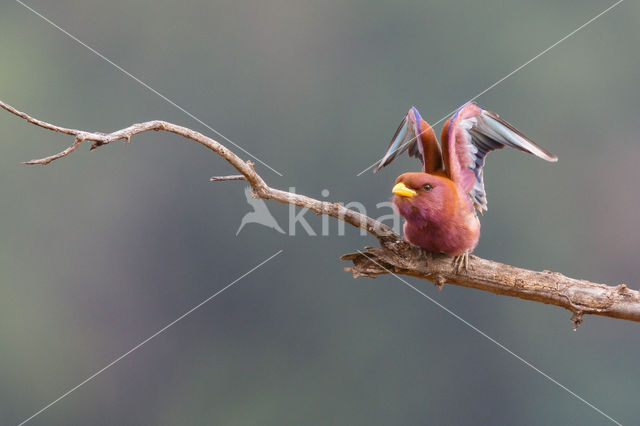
(416, 136)
(468, 136)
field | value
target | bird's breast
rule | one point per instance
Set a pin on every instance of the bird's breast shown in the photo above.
(452, 234)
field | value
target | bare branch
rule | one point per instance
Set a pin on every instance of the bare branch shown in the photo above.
(394, 256)
(47, 160)
(581, 297)
(259, 186)
(226, 178)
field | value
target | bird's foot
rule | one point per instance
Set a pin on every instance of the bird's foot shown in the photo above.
(461, 262)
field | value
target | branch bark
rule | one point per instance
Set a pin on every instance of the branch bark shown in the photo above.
(394, 256)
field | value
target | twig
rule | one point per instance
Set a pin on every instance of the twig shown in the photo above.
(226, 178)
(394, 254)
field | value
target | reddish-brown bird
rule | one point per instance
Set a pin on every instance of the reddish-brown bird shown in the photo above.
(440, 204)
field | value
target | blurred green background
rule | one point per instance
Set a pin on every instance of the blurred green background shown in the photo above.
(100, 250)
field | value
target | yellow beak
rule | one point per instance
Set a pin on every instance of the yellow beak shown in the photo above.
(402, 190)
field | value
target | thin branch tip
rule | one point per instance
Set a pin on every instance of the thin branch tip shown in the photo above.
(227, 178)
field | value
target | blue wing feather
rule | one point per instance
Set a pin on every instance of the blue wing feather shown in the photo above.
(412, 137)
(484, 132)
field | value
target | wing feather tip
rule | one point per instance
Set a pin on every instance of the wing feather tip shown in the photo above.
(545, 155)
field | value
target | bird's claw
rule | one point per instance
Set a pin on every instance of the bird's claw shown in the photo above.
(461, 262)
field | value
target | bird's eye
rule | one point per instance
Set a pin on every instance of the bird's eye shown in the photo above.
(427, 187)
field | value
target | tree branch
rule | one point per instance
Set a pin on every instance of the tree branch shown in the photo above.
(394, 256)
(226, 178)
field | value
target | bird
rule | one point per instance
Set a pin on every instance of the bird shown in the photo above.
(441, 203)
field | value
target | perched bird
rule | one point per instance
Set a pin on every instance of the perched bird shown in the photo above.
(440, 204)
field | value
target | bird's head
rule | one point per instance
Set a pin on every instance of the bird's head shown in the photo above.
(424, 197)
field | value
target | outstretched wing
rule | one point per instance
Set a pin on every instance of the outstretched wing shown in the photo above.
(417, 137)
(468, 136)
